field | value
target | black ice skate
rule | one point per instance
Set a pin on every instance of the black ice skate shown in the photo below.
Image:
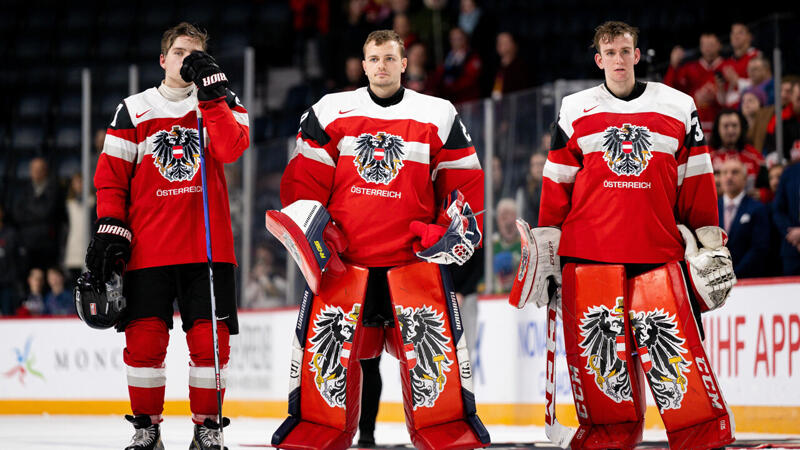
(207, 435)
(147, 436)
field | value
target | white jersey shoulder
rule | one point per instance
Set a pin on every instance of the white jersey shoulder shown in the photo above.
(656, 98)
(150, 104)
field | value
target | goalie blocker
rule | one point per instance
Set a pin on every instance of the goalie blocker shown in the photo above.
(607, 319)
(427, 338)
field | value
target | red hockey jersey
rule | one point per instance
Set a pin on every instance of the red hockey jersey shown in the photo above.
(378, 168)
(148, 176)
(622, 174)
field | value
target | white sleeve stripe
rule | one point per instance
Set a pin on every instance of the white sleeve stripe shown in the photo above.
(465, 163)
(696, 165)
(317, 154)
(560, 173)
(120, 148)
(241, 118)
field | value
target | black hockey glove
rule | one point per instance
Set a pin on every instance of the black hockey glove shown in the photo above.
(201, 68)
(109, 249)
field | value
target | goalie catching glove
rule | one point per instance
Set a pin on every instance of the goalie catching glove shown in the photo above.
(539, 273)
(452, 244)
(306, 230)
(710, 267)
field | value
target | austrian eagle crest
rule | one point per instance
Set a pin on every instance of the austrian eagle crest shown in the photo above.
(660, 351)
(627, 149)
(425, 346)
(330, 348)
(603, 344)
(176, 153)
(379, 157)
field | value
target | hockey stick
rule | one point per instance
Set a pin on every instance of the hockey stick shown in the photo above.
(558, 434)
(217, 378)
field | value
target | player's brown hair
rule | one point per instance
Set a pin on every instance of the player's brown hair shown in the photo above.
(607, 31)
(183, 29)
(382, 36)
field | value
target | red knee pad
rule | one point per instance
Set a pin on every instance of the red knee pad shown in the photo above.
(201, 344)
(146, 342)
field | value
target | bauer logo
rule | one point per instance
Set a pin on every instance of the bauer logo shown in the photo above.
(176, 153)
(627, 149)
(23, 368)
(379, 157)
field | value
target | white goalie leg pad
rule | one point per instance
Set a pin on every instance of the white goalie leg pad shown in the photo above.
(710, 267)
(539, 272)
(306, 230)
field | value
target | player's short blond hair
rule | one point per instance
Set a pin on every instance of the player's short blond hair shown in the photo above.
(382, 36)
(183, 29)
(607, 31)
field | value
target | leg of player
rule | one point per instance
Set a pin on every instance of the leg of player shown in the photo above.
(370, 400)
(675, 363)
(325, 373)
(203, 401)
(606, 385)
(428, 340)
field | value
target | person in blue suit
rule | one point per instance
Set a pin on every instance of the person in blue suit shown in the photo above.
(786, 214)
(746, 221)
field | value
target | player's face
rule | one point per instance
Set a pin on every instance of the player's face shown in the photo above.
(383, 65)
(172, 61)
(617, 59)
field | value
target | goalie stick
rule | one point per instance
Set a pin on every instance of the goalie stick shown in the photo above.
(557, 433)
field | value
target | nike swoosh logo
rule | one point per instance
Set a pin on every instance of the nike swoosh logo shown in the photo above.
(140, 115)
(345, 112)
(593, 107)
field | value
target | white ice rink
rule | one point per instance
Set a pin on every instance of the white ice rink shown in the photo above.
(113, 432)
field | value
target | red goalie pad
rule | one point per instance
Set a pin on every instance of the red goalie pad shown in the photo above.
(674, 360)
(606, 384)
(428, 340)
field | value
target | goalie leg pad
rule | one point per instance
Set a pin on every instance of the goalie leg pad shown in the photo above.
(428, 340)
(606, 385)
(325, 373)
(675, 363)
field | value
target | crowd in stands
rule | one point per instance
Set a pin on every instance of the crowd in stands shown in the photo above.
(459, 50)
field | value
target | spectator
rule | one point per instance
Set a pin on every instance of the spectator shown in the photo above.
(353, 74)
(79, 227)
(417, 76)
(786, 214)
(481, 28)
(505, 243)
(750, 103)
(9, 257)
(734, 69)
(99, 140)
(766, 113)
(402, 26)
(458, 78)
(33, 305)
(774, 174)
(512, 74)
(760, 73)
(265, 287)
(58, 302)
(728, 141)
(774, 265)
(38, 214)
(432, 24)
(529, 194)
(791, 128)
(746, 221)
(699, 78)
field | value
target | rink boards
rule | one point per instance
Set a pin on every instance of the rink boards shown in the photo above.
(60, 366)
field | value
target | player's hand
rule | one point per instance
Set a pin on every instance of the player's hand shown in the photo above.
(538, 276)
(110, 248)
(710, 266)
(454, 244)
(202, 69)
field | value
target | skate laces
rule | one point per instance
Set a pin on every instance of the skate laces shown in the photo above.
(144, 436)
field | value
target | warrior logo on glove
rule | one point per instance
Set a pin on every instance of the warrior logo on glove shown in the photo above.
(627, 149)
(660, 350)
(176, 153)
(331, 343)
(603, 332)
(425, 343)
(379, 157)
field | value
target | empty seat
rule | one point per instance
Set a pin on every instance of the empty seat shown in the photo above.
(27, 137)
(68, 137)
(33, 106)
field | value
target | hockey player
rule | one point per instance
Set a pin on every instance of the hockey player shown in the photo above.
(628, 184)
(384, 183)
(150, 209)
